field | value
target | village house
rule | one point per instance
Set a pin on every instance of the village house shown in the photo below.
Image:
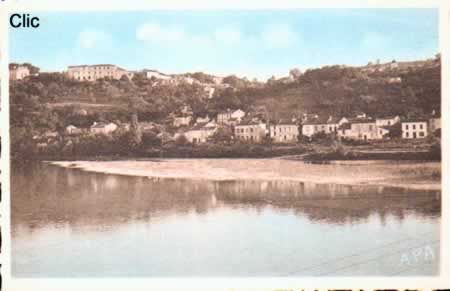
(383, 131)
(415, 128)
(183, 120)
(309, 116)
(103, 128)
(209, 91)
(284, 131)
(251, 131)
(387, 124)
(156, 75)
(73, 130)
(200, 132)
(202, 119)
(185, 79)
(387, 120)
(313, 126)
(225, 116)
(359, 129)
(95, 72)
(18, 72)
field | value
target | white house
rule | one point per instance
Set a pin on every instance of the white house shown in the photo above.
(183, 120)
(414, 128)
(210, 91)
(359, 128)
(250, 131)
(72, 129)
(200, 132)
(157, 75)
(103, 128)
(224, 116)
(326, 125)
(284, 132)
(202, 119)
(387, 120)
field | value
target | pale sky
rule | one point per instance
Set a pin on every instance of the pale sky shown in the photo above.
(251, 43)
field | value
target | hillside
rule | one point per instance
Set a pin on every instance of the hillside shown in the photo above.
(337, 90)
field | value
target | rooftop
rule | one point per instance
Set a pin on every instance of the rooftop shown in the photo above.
(249, 122)
(97, 65)
(360, 120)
(415, 119)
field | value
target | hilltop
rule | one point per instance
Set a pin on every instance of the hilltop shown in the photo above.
(393, 88)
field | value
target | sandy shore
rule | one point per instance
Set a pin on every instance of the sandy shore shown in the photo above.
(414, 175)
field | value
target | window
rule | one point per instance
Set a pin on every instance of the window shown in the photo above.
(421, 126)
(407, 134)
(389, 123)
(370, 127)
(422, 134)
(414, 126)
(406, 126)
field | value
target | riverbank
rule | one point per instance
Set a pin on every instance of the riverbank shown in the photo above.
(308, 152)
(414, 175)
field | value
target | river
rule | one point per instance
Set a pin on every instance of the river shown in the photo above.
(68, 222)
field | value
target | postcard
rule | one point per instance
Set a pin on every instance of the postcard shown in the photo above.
(190, 148)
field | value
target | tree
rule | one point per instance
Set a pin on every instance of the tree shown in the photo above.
(233, 81)
(150, 139)
(136, 133)
(295, 73)
(33, 69)
(181, 140)
(267, 140)
(222, 135)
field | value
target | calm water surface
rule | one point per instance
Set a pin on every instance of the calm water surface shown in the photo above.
(66, 223)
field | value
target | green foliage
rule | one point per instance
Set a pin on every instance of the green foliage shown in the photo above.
(50, 101)
(222, 136)
(181, 140)
(150, 139)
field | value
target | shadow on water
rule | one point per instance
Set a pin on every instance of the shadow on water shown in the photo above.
(44, 194)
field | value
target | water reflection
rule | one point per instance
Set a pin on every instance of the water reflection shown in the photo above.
(48, 194)
(67, 223)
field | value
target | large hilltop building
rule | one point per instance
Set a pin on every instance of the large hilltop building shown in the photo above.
(95, 72)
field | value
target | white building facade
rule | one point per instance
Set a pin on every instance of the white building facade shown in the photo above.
(284, 132)
(414, 129)
(95, 72)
